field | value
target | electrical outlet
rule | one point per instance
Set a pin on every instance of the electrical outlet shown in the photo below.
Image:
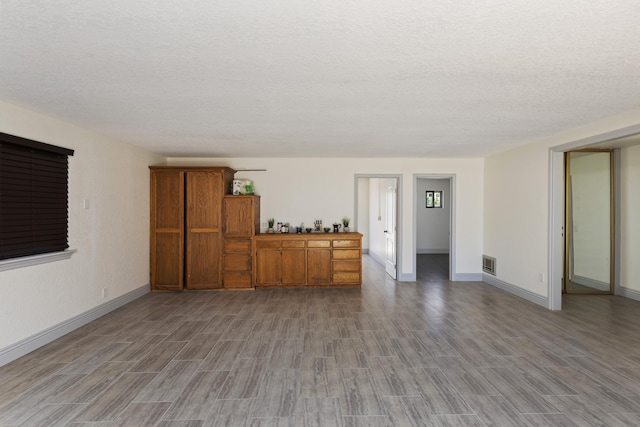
(265, 225)
(105, 292)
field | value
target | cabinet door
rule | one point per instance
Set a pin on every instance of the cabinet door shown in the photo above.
(268, 267)
(318, 266)
(167, 230)
(239, 218)
(203, 234)
(293, 267)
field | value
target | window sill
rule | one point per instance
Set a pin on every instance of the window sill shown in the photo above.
(28, 261)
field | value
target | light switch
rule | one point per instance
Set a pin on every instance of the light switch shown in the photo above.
(85, 203)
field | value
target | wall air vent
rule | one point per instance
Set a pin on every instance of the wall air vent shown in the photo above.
(489, 264)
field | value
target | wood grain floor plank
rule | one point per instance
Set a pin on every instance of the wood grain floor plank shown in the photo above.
(222, 356)
(440, 396)
(407, 411)
(141, 414)
(23, 406)
(198, 347)
(278, 394)
(516, 391)
(110, 403)
(159, 357)
(244, 380)
(391, 377)
(230, 412)
(457, 421)
(358, 395)
(91, 385)
(198, 398)
(287, 354)
(495, 410)
(170, 383)
(53, 414)
(349, 353)
(320, 378)
(318, 412)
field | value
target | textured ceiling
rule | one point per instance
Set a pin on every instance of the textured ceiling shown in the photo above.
(341, 78)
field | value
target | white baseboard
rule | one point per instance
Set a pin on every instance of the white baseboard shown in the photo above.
(466, 277)
(432, 251)
(407, 277)
(629, 293)
(27, 345)
(515, 290)
(365, 251)
(377, 258)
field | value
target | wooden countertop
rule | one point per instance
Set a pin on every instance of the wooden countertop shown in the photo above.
(330, 235)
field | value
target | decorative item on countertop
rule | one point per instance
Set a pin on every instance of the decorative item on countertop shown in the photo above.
(270, 221)
(318, 225)
(345, 223)
(284, 228)
(327, 229)
(308, 229)
(336, 227)
(242, 186)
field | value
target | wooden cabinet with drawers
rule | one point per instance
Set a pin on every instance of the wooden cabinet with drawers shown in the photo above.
(200, 235)
(346, 261)
(308, 260)
(241, 221)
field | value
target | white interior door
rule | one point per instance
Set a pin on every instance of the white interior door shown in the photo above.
(390, 230)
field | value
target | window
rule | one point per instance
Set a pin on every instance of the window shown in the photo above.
(33, 197)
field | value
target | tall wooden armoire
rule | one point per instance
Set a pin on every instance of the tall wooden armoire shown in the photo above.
(186, 226)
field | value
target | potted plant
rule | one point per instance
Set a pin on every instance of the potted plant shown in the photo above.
(345, 223)
(270, 221)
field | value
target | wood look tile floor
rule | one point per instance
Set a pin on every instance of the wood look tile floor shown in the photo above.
(429, 353)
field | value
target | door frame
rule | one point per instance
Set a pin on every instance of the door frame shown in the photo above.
(417, 202)
(556, 209)
(399, 213)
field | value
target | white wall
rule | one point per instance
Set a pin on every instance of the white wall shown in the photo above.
(298, 190)
(629, 215)
(111, 238)
(432, 235)
(516, 205)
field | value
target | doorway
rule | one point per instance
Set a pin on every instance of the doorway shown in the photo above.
(378, 208)
(434, 243)
(616, 140)
(589, 222)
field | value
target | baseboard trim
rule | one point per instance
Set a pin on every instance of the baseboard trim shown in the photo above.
(27, 345)
(432, 251)
(407, 277)
(466, 277)
(629, 293)
(515, 290)
(365, 251)
(376, 258)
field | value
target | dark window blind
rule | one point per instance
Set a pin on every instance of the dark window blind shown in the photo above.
(33, 197)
